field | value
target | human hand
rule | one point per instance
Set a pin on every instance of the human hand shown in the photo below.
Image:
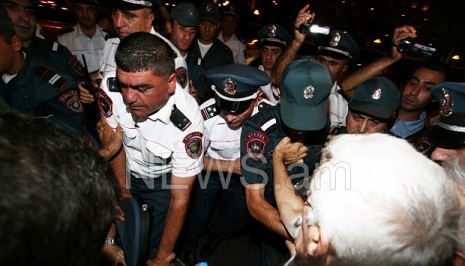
(399, 34)
(289, 152)
(113, 255)
(110, 140)
(302, 17)
(165, 261)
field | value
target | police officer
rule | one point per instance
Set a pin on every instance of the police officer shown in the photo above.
(34, 85)
(272, 41)
(236, 99)
(449, 133)
(183, 24)
(229, 24)
(163, 136)
(128, 17)
(22, 13)
(337, 53)
(372, 108)
(302, 116)
(85, 38)
(207, 51)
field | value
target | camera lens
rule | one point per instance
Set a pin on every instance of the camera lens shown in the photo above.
(404, 45)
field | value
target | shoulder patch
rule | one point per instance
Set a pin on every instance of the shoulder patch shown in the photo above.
(209, 111)
(65, 30)
(77, 66)
(179, 119)
(71, 100)
(181, 76)
(51, 77)
(104, 104)
(193, 144)
(269, 126)
(256, 145)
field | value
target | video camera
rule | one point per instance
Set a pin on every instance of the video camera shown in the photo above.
(416, 49)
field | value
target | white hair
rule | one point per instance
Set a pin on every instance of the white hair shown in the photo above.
(380, 202)
(457, 173)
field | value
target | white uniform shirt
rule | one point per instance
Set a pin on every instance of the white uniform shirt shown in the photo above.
(236, 46)
(157, 146)
(338, 107)
(222, 142)
(108, 63)
(80, 44)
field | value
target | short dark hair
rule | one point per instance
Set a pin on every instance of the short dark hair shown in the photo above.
(144, 51)
(438, 67)
(57, 196)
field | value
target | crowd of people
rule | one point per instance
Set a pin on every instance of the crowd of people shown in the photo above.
(128, 136)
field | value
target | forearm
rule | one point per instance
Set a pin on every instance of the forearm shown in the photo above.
(289, 203)
(211, 164)
(118, 164)
(371, 70)
(287, 57)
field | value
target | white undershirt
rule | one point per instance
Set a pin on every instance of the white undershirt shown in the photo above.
(204, 48)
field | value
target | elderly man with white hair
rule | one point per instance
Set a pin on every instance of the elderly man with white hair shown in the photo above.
(385, 204)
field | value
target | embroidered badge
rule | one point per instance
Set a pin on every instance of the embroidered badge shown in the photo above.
(181, 76)
(190, 11)
(229, 86)
(445, 103)
(335, 38)
(104, 104)
(308, 92)
(71, 100)
(193, 144)
(208, 8)
(256, 145)
(377, 94)
(272, 31)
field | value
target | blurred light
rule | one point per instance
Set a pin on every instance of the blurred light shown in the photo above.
(377, 41)
(456, 57)
(414, 5)
(226, 3)
(425, 19)
(425, 8)
(402, 15)
(254, 41)
(64, 8)
(372, 8)
(256, 12)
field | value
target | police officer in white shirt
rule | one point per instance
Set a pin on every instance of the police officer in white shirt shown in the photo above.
(163, 136)
(131, 16)
(85, 38)
(229, 23)
(236, 88)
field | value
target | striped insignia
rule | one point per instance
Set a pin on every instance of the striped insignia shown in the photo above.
(51, 77)
(209, 112)
(269, 126)
(55, 46)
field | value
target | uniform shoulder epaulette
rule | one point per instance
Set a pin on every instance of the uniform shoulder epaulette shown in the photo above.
(65, 30)
(51, 77)
(179, 119)
(110, 35)
(209, 111)
(269, 125)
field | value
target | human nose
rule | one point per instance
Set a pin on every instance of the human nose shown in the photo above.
(129, 96)
(118, 20)
(363, 128)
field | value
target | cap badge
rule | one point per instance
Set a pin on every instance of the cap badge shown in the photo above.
(229, 86)
(190, 11)
(445, 103)
(335, 38)
(308, 92)
(208, 8)
(272, 31)
(376, 94)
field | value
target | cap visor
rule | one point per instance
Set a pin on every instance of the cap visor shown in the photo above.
(371, 110)
(124, 5)
(444, 138)
(332, 54)
(304, 118)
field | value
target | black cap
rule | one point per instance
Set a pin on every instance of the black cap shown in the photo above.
(209, 12)
(274, 35)
(231, 10)
(186, 14)
(377, 97)
(450, 130)
(130, 4)
(340, 46)
(236, 85)
(6, 25)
